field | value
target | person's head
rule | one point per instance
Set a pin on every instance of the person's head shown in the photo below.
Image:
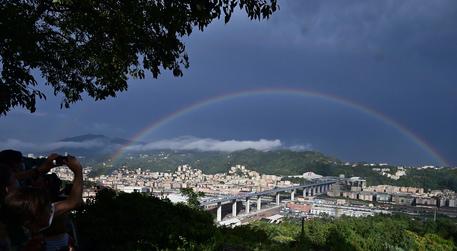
(13, 159)
(8, 182)
(30, 207)
(51, 183)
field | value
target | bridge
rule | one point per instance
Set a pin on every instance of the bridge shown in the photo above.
(310, 189)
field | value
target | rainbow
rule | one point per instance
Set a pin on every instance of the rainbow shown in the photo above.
(285, 91)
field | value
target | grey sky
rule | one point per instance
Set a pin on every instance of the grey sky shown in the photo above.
(396, 57)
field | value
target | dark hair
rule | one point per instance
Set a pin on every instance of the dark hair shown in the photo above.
(26, 204)
(53, 185)
(10, 156)
(5, 179)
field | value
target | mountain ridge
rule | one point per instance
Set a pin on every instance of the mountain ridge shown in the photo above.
(90, 136)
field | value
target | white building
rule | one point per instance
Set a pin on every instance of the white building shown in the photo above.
(338, 211)
(134, 189)
(311, 176)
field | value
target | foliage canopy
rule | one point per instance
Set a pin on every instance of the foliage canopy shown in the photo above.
(192, 197)
(94, 46)
(138, 222)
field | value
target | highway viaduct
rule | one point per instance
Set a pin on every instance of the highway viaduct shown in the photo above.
(310, 189)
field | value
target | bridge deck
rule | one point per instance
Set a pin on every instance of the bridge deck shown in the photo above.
(272, 191)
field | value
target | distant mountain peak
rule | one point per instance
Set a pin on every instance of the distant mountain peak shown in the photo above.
(85, 137)
(89, 145)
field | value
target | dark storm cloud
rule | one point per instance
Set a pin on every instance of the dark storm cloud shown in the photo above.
(394, 56)
(374, 24)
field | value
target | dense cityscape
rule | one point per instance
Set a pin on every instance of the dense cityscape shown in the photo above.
(347, 196)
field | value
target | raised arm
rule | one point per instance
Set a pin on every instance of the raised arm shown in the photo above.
(35, 172)
(75, 197)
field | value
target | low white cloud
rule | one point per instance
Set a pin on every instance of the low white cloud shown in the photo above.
(180, 143)
(207, 144)
(46, 147)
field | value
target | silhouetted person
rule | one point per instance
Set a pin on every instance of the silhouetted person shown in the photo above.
(13, 159)
(32, 207)
(7, 184)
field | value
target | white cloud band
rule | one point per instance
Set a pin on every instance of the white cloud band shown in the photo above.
(180, 143)
(207, 144)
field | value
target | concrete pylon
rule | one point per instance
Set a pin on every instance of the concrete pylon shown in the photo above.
(219, 212)
(292, 195)
(234, 208)
(278, 199)
(248, 205)
(259, 203)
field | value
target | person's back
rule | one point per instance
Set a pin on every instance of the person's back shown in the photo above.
(8, 184)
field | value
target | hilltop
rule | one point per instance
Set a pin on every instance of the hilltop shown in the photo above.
(281, 162)
(93, 146)
(91, 137)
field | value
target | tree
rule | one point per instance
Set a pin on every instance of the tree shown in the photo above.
(134, 221)
(192, 197)
(94, 46)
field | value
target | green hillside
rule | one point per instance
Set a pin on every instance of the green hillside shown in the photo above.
(280, 162)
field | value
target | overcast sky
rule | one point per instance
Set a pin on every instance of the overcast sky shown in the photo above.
(398, 58)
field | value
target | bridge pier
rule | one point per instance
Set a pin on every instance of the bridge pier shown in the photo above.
(219, 212)
(259, 203)
(312, 189)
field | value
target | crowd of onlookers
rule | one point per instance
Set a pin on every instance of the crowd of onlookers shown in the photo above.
(35, 205)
